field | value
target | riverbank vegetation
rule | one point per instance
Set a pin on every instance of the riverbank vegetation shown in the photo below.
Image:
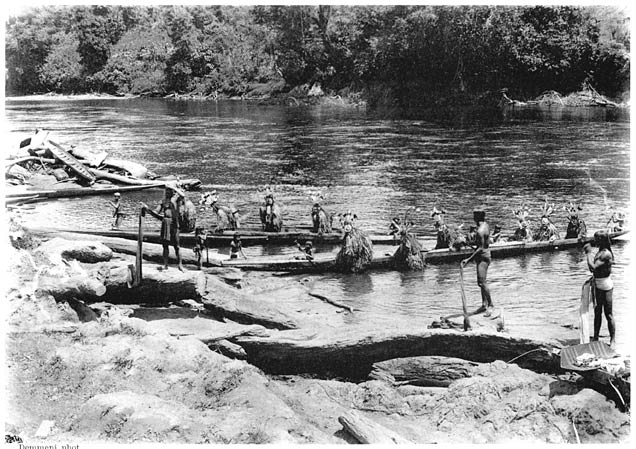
(404, 56)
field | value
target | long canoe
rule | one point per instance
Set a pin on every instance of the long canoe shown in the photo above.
(80, 191)
(248, 237)
(325, 263)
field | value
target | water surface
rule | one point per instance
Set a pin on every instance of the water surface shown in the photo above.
(376, 168)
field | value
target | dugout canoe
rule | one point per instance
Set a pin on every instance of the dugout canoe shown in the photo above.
(325, 263)
(80, 191)
(248, 237)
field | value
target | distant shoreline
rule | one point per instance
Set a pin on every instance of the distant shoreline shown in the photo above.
(58, 97)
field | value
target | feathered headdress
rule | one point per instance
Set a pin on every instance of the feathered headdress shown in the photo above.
(521, 213)
(347, 218)
(208, 198)
(316, 197)
(572, 208)
(547, 209)
(437, 211)
(268, 190)
(405, 223)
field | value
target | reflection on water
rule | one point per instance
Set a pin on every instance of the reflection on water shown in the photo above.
(376, 168)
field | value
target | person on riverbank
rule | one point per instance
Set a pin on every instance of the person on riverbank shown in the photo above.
(118, 215)
(481, 255)
(236, 247)
(168, 213)
(600, 264)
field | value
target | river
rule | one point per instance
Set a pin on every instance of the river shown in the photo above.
(376, 168)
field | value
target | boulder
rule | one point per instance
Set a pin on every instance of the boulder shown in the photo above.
(129, 416)
(597, 420)
(80, 250)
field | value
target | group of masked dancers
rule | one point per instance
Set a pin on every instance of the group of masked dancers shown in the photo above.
(454, 238)
(357, 251)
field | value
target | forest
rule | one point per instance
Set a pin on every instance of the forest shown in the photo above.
(400, 55)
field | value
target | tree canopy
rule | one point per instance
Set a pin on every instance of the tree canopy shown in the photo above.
(406, 54)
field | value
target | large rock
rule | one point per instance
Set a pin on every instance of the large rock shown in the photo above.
(31, 313)
(597, 419)
(80, 250)
(129, 416)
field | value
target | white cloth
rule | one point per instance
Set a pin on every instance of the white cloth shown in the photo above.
(604, 284)
(587, 298)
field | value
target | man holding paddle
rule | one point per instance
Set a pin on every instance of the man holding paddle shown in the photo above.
(482, 260)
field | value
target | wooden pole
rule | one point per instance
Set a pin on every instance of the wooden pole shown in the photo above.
(139, 256)
(464, 306)
(140, 243)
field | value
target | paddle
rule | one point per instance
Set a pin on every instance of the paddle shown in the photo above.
(465, 312)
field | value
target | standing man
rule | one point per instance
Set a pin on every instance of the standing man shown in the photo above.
(168, 213)
(482, 260)
(600, 264)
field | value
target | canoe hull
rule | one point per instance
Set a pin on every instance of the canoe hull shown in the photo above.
(248, 237)
(438, 256)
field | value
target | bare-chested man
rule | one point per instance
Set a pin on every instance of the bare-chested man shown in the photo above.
(482, 260)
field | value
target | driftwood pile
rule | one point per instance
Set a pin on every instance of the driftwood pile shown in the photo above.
(41, 164)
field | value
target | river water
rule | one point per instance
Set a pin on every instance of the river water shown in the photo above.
(375, 167)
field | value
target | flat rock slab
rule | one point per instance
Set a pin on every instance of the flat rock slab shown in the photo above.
(351, 353)
(87, 250)
(204, 329)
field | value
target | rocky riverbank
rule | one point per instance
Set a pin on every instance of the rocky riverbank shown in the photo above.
(219, 357)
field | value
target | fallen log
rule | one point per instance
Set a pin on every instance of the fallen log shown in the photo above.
(158, 287)
(224, 301)
(152, 251)
(352, 353)
(88, 251)
(68, 288)
(207, 330)
(96, 159)
(331, 301)
(187, 184)
(431, 371)
(367, 431)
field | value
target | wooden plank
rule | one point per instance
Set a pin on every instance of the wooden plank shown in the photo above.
(69, 160)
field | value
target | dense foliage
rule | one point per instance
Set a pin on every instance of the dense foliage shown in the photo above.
(406, 55)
